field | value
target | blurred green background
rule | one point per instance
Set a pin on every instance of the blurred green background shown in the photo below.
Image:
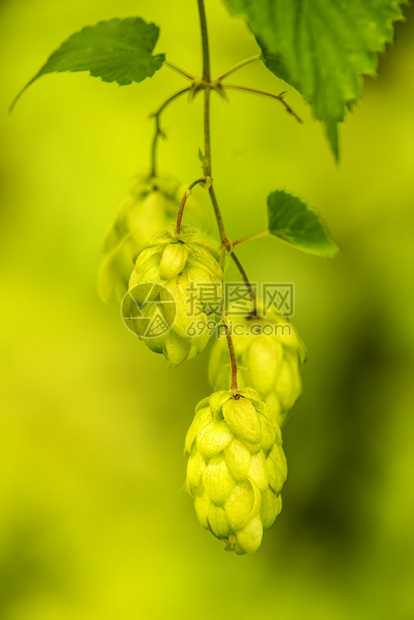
(93, 523)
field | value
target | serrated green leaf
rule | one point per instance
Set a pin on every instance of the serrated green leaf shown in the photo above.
(322, 47)
(118, 50)
(292, 221)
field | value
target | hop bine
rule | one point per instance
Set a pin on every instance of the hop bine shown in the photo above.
(236, 467)
(167, 306)
(269, 354)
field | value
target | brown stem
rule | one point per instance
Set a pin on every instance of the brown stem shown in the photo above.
(158, 132)
(183, 201)
(246, 281)
(279, 97)
(233, 361)
(223, 236)
(204, 40)
(207, 140)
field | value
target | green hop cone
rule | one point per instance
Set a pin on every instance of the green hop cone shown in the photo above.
(236, 467)
(151, 206)
(269, 354)
(174, 298)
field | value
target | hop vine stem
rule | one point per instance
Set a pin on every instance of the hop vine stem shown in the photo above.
(158, 131)
(259, 235)
(204, 40)
(208, 174)
(183, 201)
(207, 85)
(263, 93)
(233, 361)
(177, 69)
(238, 66)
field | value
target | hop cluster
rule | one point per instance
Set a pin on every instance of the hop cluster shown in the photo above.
(167, 287)
(269, 353)
(171, 291)
(236, 467)
(151, 206)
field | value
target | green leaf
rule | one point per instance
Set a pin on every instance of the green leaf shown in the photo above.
(322, 47)
(292, 221)
(118, 50)
(202, 158)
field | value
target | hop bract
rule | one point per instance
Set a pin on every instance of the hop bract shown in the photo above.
(236, 467)
(174, 298)
(269, 354)
(151, 206)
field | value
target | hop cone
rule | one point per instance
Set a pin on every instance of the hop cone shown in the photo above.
(236, 467)
(268, 360)
(151, 206)
(175, 293)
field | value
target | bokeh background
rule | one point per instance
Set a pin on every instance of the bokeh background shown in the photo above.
(93, 523)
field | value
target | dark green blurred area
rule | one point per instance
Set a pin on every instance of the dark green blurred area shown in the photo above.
(93, 523)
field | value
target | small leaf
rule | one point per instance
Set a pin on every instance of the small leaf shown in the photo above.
(203, 161)
(292, 221)
(118, 50)
(202, 158)
(322, 47)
